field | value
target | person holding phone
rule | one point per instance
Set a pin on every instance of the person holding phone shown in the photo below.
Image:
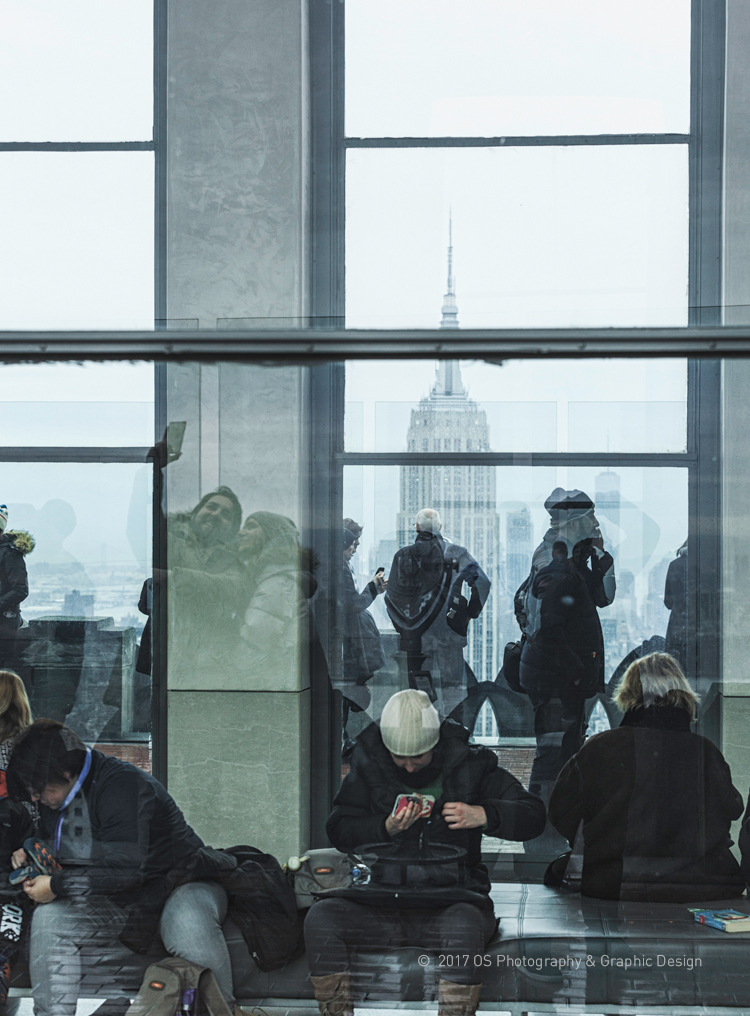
(411, 754)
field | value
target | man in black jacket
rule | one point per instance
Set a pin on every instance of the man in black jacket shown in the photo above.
(122, 843)
(464, 793)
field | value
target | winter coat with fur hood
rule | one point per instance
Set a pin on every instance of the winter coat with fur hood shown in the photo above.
(14, 583)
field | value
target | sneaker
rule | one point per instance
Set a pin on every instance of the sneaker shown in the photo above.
(42, 856)
(21, 874)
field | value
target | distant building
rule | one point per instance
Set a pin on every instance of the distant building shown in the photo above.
(519, 546)
(447, 420)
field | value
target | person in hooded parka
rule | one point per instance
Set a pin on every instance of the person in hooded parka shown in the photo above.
(562, 662)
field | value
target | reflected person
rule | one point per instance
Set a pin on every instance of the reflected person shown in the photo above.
(14, 586)
(675, 600)
(650, 804)
(275, 619)
(424, 580)
(207, 582)
(362, 651)
(562, 661)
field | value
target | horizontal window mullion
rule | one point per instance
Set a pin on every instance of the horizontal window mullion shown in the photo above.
(47, 453)
(520, 141)
(516, 458)
(77, 146)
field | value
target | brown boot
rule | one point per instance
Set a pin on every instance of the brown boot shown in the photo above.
(458, 999)
(334, 994)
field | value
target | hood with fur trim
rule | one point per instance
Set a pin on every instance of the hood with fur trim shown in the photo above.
(19, 539)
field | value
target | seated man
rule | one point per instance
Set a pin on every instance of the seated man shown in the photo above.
(122, 843)
(412, 752)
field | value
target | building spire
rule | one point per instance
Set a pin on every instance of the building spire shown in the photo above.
(449, 308)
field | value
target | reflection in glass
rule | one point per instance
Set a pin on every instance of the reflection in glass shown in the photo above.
(487, 68)
(87, 556)
(526, 406)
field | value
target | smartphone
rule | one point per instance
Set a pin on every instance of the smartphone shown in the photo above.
(380, 571)
(425, 801)
(173, 437)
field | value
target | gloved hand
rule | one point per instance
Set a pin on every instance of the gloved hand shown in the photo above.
(470, 574)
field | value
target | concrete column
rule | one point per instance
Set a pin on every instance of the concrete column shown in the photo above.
(735, 697)
(237, 240)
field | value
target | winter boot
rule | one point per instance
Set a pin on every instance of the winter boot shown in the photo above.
(458, 999)
(334, 994)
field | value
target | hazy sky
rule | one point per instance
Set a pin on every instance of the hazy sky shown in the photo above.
(419, 68)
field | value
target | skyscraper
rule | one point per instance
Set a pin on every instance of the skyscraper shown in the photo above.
(447, 420)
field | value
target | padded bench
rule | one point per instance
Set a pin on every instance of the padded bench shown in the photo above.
(551, 947)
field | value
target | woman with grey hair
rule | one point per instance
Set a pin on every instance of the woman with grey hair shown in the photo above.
(650, 804)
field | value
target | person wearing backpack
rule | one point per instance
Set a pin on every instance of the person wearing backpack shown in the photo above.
(464, 793)
(562, 660)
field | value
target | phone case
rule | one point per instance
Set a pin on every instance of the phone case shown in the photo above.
(402, 803)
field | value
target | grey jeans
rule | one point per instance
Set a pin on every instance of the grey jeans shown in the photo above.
(71, 937)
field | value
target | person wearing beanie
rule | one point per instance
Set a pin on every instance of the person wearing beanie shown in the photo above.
(14, 586)
(425, 581)
(410, 752)
(562, 661)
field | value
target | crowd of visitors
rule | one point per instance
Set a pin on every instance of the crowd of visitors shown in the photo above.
(96, 858)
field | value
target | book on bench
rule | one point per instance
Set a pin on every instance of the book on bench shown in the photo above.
(724, 920)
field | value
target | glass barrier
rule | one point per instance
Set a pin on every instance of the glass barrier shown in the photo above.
(487, 681)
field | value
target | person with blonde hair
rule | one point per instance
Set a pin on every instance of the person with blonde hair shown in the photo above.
(15, 712)
(649, 804)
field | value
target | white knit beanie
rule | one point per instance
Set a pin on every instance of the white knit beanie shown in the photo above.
(410, 724)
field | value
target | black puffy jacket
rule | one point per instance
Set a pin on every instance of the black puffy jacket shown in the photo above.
(471, 774)
(14, 583)
(566, 653)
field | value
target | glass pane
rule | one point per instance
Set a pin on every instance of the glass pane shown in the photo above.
(541, 237)
(548, 406)
(78, 248)
(78, 649)
(487, 68)
(104, 404)
(498, 513)
(76, 71)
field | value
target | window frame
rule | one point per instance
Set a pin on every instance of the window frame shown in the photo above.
(705, 143)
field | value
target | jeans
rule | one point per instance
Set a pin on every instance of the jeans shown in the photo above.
(73, 935)
(334, 927)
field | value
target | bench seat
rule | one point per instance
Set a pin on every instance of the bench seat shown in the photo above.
(551, 947)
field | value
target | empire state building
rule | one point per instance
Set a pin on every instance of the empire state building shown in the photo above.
(447, 420)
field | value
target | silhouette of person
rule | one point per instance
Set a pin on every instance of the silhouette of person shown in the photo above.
(562, 662)
(424, 588)
(675, 600)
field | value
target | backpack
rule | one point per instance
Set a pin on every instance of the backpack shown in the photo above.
(318, 872)
(174, 986)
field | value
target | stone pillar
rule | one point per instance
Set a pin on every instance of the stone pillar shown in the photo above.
(238, 752)
(735, 693)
